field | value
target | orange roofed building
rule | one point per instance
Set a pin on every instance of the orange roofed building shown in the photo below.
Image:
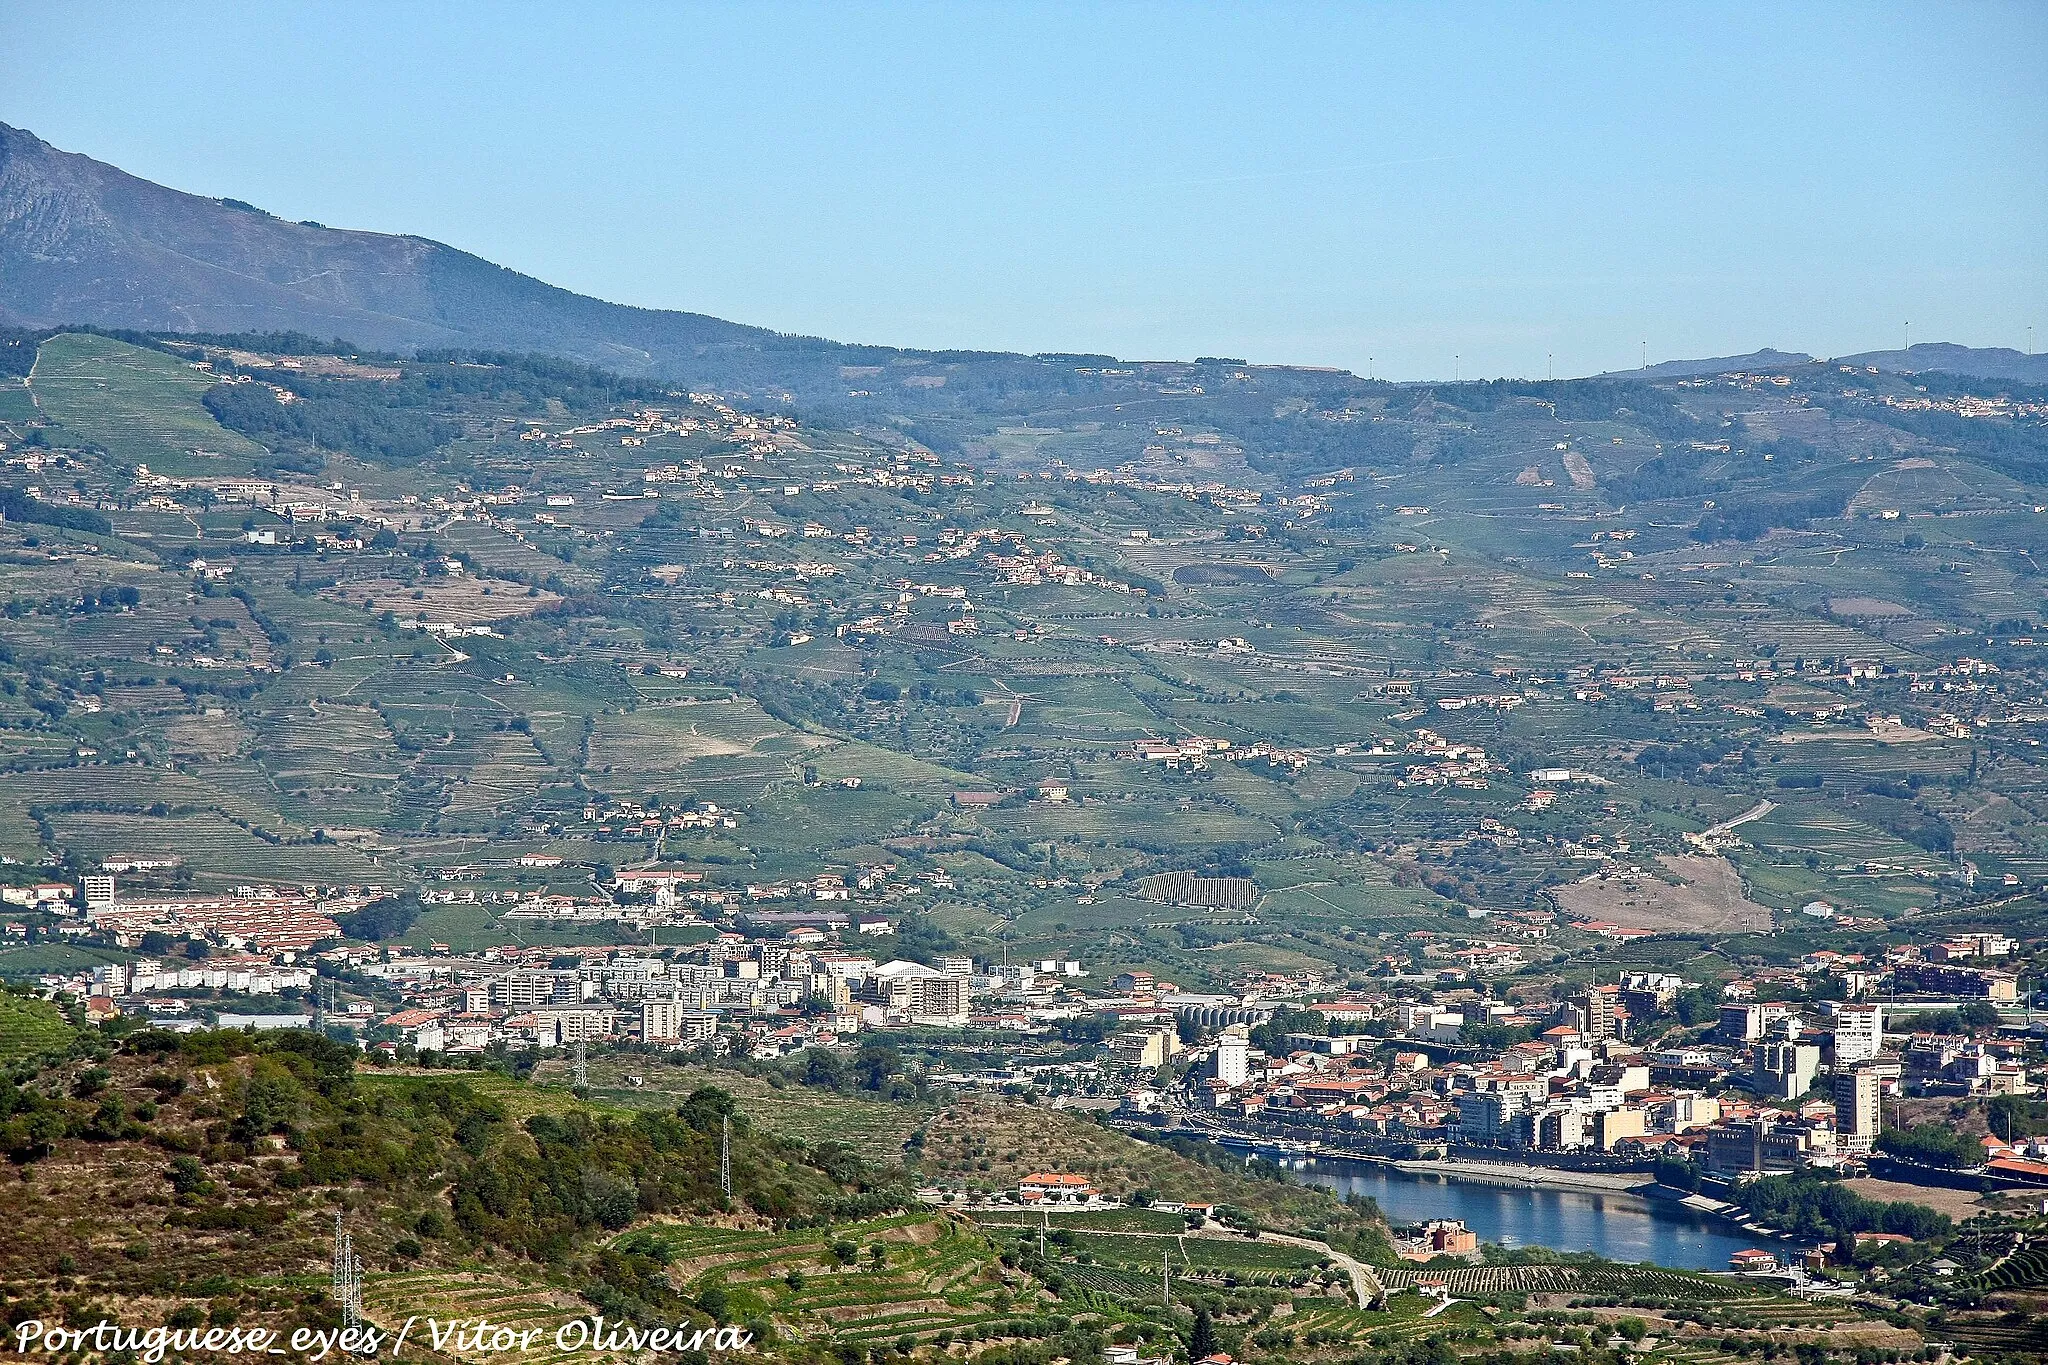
(1054, 1187)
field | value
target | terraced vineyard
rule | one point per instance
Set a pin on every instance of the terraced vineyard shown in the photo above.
(1248, 1262)
(2023, 1269)
(141, 405)
(29, 1027)
(935, 1278)
(520, 1303)
(1998, 1336)
(1098, 1220)
(227, 852)
(1127, 1285)
(1620, 1281)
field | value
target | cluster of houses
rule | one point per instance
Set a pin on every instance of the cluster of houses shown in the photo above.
(281, 922)
(1446, 763)
(1773, 1086)
(1432, 1055)
(750, 996)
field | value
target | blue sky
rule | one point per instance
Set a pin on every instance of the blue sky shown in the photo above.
(1421, 189)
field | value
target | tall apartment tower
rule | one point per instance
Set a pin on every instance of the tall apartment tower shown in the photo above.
(1859, 1034)
(1600, 1007)
(1856, 1110)
(1233, 1066)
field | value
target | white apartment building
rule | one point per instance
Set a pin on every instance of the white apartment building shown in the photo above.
(1859, 1033)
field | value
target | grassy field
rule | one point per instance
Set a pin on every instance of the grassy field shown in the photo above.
(34, 959)
(141, 405)
(16, 405)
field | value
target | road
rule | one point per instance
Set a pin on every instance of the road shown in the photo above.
(1365, 1282)
(1756, 812)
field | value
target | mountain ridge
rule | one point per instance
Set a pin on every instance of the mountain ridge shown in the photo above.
(84, 242)
(1765, 358)
(1978, 362)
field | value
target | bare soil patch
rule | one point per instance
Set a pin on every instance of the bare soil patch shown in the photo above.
(1709, 897)
(1867, 606)
(465, 601)
(1957, 1204)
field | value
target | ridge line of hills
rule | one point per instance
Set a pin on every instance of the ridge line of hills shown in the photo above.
(83, 242)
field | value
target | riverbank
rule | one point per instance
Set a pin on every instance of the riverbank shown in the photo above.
(1605, 1213)
(1511, 1174)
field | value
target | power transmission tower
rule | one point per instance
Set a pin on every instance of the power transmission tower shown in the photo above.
(579, 1068)
(1166, 1277)
(725, 1156)
(348, 1276)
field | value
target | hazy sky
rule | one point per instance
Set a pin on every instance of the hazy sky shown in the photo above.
(1308, 184)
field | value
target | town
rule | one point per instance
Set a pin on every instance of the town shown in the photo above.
(1451, 1050)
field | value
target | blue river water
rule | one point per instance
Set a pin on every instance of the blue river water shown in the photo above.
(1618, 1226)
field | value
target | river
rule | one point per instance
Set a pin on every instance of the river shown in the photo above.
(1622, 1227)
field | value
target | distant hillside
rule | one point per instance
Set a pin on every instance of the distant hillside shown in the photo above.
(1974, 362)
(1977, 362)
(1765, 359)
(82, 242)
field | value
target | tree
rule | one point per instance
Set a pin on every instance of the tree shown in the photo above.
(2014, 1116)
(1930, 1144)
(875, 1064)
(1202, 1340)
(186, 1175)
(1979, 1016)
(1696, 1006)
(824, 1069)
(384, 919)
(706, 1107)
